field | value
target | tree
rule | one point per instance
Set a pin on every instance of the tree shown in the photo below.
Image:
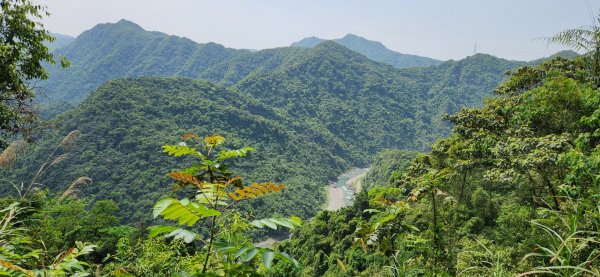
(22, 54)
(585, 38)
(226, 250)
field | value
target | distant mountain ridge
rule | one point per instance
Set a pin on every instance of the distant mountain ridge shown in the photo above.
(60, 40)
(373, 50)
(314, 111)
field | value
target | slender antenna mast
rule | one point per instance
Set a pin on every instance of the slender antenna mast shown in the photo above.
(475, 49)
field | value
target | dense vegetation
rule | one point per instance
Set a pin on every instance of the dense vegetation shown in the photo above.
(36, 226)
(312, 112)
(124, 124)
(124, 49)
(23, 51)
(374, 50)
(513, 189)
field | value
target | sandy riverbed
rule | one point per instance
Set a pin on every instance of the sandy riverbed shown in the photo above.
(336, 196)
(356, 182)
(335, 199)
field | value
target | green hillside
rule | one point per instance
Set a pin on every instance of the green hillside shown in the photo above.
(514, 189)
(375, 105)
(348, 105)
(125, 123)
(124, 49)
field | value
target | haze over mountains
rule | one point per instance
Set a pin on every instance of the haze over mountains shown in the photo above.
(156, 155)
(311, 112)
(373, 50)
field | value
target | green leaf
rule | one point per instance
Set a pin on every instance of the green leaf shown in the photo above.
(286, 257)
(257, 224)
(187, 236)
(273, 222)
(184, 211)
(267, 258)
(283, 222)
(180, 150)
(296, 220)
(250, 254)
(241, 251)
(226, 154)
(267, 222)
(157, 230)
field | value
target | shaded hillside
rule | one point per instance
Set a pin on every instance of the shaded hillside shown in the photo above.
(125, 123)
(514, 189)
(373, 50)
(371, 105)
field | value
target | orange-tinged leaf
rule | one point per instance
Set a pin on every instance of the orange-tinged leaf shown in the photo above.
(235, 197)
(255, 190)
(236, 181)
(214, 140)
(17, 268)
(185, 178)
(190, 135)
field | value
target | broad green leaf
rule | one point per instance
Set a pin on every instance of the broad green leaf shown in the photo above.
(283, 222)
(286, 257)
(273, 222)
(267, 258)
(184, 211)
(241, 251)
(250, 254)
(180, 150)
(226, 154)
(297, 221)
(257, 224)
(158, 230)
(186, 235)
(267, 222)
(227, 249)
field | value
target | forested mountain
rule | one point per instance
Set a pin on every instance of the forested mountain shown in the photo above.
(373, 50)
(124, 49)
(60, 41)
(569, 54)
(514, 189)
(375, 105)
(124, 124)
(352, 106)
(343, 101)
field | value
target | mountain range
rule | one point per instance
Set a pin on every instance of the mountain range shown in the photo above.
(373, 50)
(311, 112)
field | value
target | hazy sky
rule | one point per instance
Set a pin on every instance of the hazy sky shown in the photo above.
(442, 29)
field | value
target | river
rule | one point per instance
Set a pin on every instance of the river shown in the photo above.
(341, 193)
(338, 196)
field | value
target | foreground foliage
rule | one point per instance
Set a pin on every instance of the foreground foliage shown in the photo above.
(514, 189)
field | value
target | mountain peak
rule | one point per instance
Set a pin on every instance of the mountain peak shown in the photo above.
(352, 36)
(127, 23)
(308, 42)
(374, 50)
